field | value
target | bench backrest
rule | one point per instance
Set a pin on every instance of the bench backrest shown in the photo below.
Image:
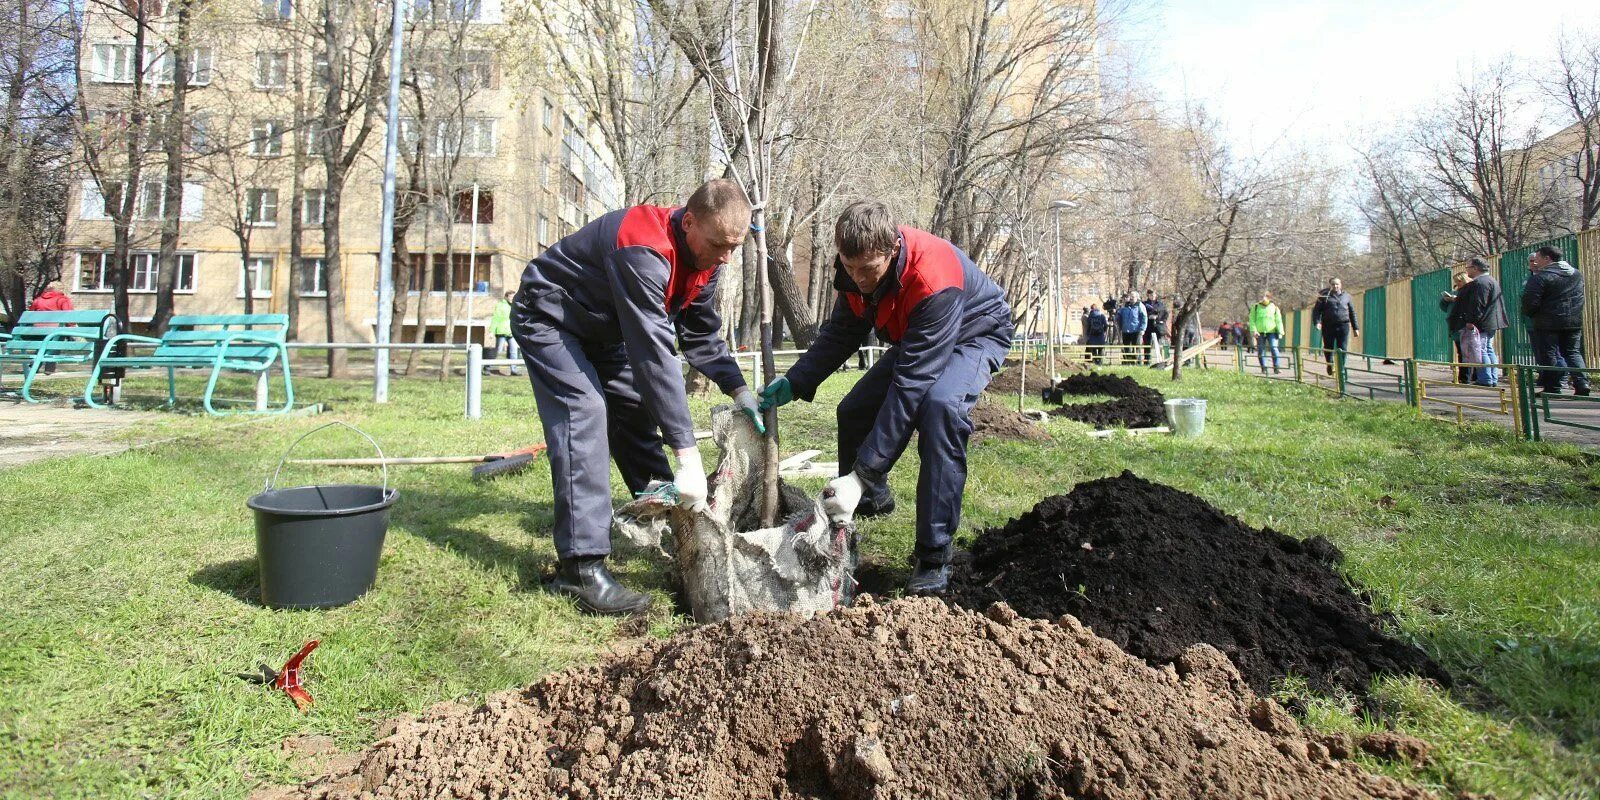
(202, 336)
(59, 332)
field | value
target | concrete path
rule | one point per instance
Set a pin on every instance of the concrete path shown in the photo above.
(1445, 399)
(32, 432)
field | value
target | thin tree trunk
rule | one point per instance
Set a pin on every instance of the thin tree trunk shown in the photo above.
(172, 190)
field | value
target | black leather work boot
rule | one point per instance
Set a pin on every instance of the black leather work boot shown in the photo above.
(587, 580)
(876, 501)
(931, 576)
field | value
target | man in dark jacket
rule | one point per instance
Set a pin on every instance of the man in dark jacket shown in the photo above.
(949, 327)
(1335, 314)
(1480, 306)
(1552, 300)
(1156, 320)
(596, 318)
(1095, 326)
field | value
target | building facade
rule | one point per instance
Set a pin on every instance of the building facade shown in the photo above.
(508, 168)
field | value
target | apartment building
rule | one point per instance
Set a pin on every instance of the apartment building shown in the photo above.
(510, 168)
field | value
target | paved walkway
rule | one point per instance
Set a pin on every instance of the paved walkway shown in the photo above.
(32, 432)
(1448, 400)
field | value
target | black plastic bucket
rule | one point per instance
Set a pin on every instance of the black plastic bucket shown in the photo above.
(318, 546)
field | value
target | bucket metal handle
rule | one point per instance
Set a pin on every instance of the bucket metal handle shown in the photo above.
(383, 460)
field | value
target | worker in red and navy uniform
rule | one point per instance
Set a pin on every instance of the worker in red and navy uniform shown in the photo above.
(949, 327)
(597, 317)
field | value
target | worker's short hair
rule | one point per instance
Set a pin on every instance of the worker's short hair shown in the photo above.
(719, 198)
(1550, 252)
(1478, 264)
(865, 228)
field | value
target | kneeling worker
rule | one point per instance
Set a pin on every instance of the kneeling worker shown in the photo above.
(596, 318)
(949, 327)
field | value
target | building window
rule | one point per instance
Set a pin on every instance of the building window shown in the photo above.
(266, 138)
(477, 67)
(321, 72)
(457, 278)
(150, 204)
(571, 188)
(277, 10)
(313, 141)
(463, 207)
(464, 10)
(272, 70)
(549, 116)
(257, 274)
(475, 137)
(544, 231)
(312, 206)
(261, 207)
(113, 63)
(152, 200)
(313, 277)
(144, 276)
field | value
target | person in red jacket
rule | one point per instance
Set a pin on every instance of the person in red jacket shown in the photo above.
(50, 299)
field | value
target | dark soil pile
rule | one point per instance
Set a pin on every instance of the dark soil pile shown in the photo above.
(1009, 378)
(990, 420)
(914, 699)
(1157, 570)
(1135, 405)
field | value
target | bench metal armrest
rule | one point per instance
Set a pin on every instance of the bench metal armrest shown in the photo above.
(132, 337)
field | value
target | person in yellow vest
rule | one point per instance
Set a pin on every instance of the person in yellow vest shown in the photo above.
(500, 326)
(1266, 323)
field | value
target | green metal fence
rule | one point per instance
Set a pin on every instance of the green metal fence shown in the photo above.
(1294, 328)
(1375, 322)
(1430, 335)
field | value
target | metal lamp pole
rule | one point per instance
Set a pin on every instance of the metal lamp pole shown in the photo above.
(1056, 206)
(391, 150)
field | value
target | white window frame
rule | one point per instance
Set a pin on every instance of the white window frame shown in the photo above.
(272, 69)
(145, 277)
(544, 232)
(257, 292)
(266, 138)
(255, 208)
(112, 62)
(319, 276)
(321, 196)
(273, 10)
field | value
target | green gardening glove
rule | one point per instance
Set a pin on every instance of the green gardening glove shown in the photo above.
(777, 393)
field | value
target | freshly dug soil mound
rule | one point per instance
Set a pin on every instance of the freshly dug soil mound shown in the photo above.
(1157, 570)
(914, 699)
(990, 420)
(1007, 380)
(1135, 406)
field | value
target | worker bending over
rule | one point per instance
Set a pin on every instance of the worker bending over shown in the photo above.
(596, 318)
(949, 327)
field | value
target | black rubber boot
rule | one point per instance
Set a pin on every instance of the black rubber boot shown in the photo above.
(876, 501)
(931, 576)
(587, 581)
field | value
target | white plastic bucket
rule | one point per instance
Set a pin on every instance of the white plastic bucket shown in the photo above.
(1186, 416)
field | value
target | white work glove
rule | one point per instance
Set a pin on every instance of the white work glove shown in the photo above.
(745, 401)
(690, 478)
(840, 497)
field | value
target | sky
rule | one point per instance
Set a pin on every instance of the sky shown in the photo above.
(1320, 74)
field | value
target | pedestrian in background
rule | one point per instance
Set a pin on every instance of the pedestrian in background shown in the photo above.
(500, 326)
(1479, 312)
(1131, 323)
(1552, 300)
(50, 298)
(1447, 304)
(1335, 315)
(1156, 321)
(1266, 324)
(1095, 327)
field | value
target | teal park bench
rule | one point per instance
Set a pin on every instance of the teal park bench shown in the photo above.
(54, 337)
(219, 343)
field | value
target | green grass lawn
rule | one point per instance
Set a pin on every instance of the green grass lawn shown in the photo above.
(128, 583)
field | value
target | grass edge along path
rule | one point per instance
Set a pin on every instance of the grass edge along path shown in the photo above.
(128, 581)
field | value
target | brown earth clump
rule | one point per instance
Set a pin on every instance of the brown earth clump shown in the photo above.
(990, 420)
(1009, 378)
(912, 699)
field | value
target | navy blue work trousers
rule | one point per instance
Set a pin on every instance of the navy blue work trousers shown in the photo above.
(591, 414)
(943, 426)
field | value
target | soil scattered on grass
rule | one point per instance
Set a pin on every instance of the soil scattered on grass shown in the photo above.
(990, 420)
(912, 699)
(1134, 405)
(1157, 570)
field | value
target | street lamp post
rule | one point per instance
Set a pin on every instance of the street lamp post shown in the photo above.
(391, 150)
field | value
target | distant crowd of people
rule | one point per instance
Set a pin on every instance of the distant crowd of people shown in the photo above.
(1141, 327)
